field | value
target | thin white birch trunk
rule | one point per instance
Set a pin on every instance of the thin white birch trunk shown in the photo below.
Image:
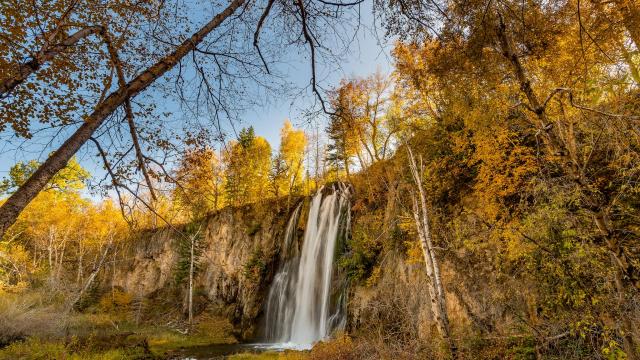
(93, 274)
(61, 260)
(191, 283)
(50, 249)
(421, 218)
(80, 256)
(191, 271)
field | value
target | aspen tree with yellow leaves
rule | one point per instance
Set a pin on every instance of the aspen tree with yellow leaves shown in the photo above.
(288, 169)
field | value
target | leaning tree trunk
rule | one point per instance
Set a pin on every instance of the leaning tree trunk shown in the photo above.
(80, 256)
(20, 199)
(436, 290)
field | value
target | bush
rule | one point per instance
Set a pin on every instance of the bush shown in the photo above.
(342, 348)
(363, 250)
(253, 228)
(256, 266)
(217, 330)
(115, 301)
(34, 349)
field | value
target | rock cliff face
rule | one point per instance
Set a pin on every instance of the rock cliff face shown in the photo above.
(236, 254)
(396, 303)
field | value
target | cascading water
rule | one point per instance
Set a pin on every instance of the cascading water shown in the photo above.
(302, 307)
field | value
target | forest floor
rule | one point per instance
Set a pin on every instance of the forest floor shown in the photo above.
(105, 336)
(36, 326)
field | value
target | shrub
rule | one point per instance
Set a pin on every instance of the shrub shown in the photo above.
(253, 228)
(34, 349)
(217, 330)
(255, 268)
(340, 348)
(115, 301)
(363, 250)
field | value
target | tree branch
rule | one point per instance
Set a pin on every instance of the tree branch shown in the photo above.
(586, 108)
(117, 183)
(47, 53)
(358, 2)
(312, 48)
(117, 64)
(256, 34)
(113, 178)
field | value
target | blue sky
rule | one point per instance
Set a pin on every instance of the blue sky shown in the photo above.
(369, 54)
(366, 56)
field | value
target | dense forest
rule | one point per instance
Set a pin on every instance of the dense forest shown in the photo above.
(481, 200)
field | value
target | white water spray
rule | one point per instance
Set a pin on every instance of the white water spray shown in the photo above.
(300, 310)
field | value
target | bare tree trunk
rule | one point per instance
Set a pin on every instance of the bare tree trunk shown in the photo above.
(193, 239)
(49, 248)
(436, 290)
(10, 210)
(216, 195)
(345, 158)
(93, 275)
(80, 256)
(317, 159)
(360, 160)
(114, 256)
(59, 265)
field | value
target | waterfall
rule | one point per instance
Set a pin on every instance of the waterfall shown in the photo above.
(302, 307)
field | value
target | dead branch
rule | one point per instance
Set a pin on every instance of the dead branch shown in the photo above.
(117, 64)
(312, 48)
(256, 34)
(117, 183)
(586, 108)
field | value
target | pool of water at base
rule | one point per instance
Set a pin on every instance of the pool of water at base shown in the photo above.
(221, 351)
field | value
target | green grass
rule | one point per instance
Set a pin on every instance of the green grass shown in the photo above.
(207, 331)
(35, 349)
(164, 340)
(104, 336)
(270, 355)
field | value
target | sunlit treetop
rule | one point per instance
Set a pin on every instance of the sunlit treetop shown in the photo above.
(73, 177)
